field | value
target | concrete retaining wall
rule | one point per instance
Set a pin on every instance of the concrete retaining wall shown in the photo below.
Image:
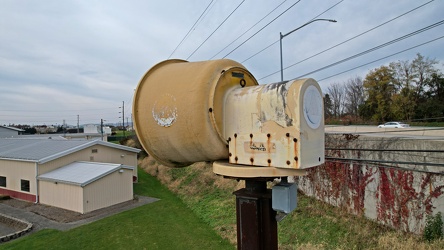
(399, 195)
(22, 227)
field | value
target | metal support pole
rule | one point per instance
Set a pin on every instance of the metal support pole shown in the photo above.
(256, 220)
(282, 36)
(101, 127)
(282, 64)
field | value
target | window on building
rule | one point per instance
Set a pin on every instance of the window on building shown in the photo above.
(2, 181)
(94, 150)
(24, 185)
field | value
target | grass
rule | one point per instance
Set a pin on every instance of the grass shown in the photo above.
(313, 225)
(165, 224)
(202, 204)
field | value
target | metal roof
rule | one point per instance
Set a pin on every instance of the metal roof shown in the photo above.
(44, 150)
(81, 173)
(12, 128)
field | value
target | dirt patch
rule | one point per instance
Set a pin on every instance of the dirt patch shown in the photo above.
(60, 214)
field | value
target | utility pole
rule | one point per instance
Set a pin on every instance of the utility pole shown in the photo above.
(132, 122)
(64, 127)
(101, 127)
(78, 126)
(123, 116)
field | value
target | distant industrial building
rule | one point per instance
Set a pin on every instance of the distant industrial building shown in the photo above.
(6, 132)
(76, 175)
(96, 129)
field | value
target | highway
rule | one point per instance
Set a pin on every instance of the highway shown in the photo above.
(430, 133)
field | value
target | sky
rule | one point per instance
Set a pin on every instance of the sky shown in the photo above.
(80, 61)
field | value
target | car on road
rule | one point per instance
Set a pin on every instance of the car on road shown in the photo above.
(393, 125)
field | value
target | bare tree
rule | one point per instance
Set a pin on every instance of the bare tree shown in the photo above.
(403, 74)
(424, 68)
(354, 95)
(336, 91)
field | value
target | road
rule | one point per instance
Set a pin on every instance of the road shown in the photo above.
(434, 133)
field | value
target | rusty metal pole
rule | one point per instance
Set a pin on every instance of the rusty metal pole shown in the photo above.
(256, 220)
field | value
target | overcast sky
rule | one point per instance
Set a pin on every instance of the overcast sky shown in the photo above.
(63, 59)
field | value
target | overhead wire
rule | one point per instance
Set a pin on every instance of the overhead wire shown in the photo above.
(381, 165)
(248, 29)
(215, 29)
(387, 150)
(394, 152)
(261, 29)
(331, 7)
(334, 46)
(374, 48)
(191, 29)
(382, 58)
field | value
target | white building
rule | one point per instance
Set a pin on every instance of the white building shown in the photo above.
(77, 175)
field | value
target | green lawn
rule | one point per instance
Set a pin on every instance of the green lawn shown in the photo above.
(165, 224)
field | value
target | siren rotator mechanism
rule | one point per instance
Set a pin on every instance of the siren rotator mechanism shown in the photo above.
(187, 112)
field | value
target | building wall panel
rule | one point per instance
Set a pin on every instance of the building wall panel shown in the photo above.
(14, 171)
(110, 190)
(61, 195)
(97, 153)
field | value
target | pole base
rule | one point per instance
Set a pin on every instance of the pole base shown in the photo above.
(256, 219)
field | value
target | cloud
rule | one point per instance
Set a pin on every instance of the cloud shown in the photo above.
(88, 56)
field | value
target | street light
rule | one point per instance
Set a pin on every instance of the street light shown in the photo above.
(282, 36)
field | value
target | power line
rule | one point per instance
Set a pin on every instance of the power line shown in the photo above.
(331, 7)
(261, 29)
(394, 152)
(379, 165)
(248, 30)
(431, 164)
(387, 150)
(215, 30)
(191, 29)
(325, 11)
(374, 48)
(334, 46)
(382, 58)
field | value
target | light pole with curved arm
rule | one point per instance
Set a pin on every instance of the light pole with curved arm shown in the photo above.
(282, 36)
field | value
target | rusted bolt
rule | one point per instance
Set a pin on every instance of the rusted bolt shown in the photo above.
(287, 134)
(252, 160)
(251, 135)
(210, 109)
(229, 138)
(296, 158)
(235, 158)
(295, 140)
(230, 154)
(235, 135)
(269, 161)
(268, 135)
(288, 162)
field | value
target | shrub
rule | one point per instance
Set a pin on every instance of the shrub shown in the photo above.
(433, 228)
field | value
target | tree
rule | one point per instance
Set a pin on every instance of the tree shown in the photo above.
(354, 96)
(379, 88)
(336, 91)
(327, 106)
(410, 83)
(424, 69)
(431, 104)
